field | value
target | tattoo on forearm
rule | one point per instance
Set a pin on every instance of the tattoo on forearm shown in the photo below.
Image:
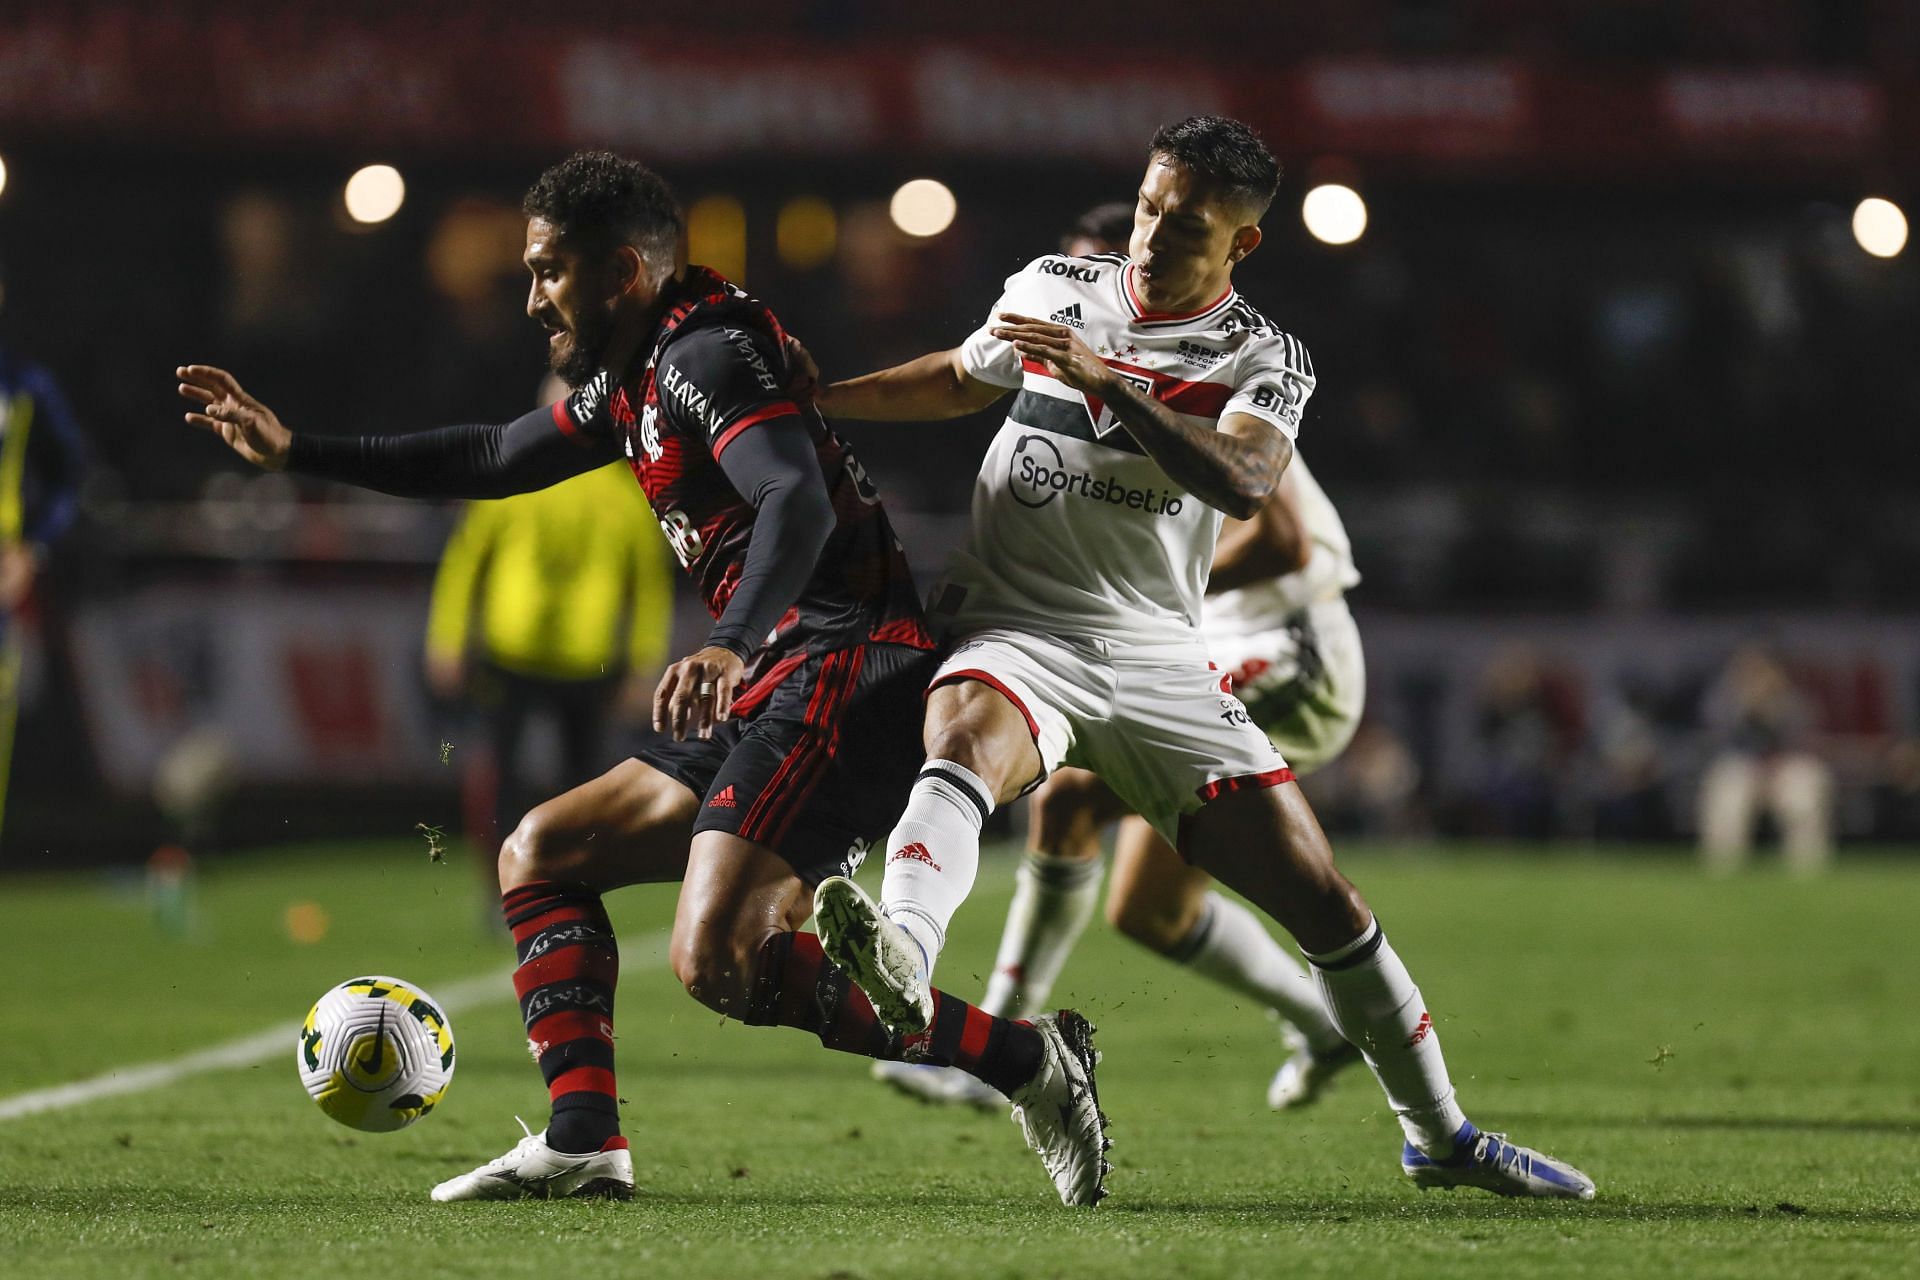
(1220, 470)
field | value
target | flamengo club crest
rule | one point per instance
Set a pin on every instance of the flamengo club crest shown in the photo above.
(1104, 423)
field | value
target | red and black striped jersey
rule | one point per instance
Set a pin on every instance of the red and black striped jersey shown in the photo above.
(716, 369)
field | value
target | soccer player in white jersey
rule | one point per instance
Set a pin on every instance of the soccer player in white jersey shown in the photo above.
(1276, 621)
(1151, 402)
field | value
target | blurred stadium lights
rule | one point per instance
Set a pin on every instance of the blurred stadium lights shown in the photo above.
(375, 193)
(717, 235)
(923, 207)
(1334, 213)
(807, 232)
(3, 175)
(1880, 227)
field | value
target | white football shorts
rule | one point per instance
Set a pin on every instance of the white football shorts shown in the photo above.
(1157, 722)
(1304, 682)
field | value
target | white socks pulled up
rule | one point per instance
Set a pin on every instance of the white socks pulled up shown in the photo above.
(1376, 1006)
(933, 854)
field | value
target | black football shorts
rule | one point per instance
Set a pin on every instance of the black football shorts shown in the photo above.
(818, 765)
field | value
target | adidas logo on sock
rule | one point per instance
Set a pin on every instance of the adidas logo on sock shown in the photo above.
(723, 799)
(916, 851)
(1069, 316)
(1420, 1032)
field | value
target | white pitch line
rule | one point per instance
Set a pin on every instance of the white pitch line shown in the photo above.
(247, 1051)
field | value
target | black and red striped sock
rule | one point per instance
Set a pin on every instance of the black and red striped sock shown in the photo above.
(796, 987)
(569, 964)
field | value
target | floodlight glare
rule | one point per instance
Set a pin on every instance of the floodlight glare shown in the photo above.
(375, 193)
(923, 207)
(1334, 214)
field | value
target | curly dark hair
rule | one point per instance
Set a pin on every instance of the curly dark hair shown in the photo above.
(1225, 153)
(604, 200)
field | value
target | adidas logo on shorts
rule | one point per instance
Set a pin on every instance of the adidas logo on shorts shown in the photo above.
(723, 799)
(1069, 316)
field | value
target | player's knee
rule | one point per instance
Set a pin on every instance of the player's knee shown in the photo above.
(1158, 926)
(1064, 824)
(527, 854)
(713, 970)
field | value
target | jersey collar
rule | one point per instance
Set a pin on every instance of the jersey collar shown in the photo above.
(1137, 311)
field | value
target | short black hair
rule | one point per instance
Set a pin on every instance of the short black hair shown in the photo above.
(1107, 223)
(1225, 153)
(604, 200)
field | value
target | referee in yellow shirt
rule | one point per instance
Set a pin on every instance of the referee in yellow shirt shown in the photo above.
(547, 602)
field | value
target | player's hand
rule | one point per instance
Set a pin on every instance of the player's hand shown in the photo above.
(249, 427)
(697, 693)
(1059, 348)
(803, 375)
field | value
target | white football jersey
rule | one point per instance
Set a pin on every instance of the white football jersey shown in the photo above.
(1075, 529)
(1328, 574)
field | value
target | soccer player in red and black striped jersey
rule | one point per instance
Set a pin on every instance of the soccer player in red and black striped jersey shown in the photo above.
(783, 747)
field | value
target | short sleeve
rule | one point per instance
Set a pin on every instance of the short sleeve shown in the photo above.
(986, 357)
(583, 413)
(1275, 379)
(718, 381)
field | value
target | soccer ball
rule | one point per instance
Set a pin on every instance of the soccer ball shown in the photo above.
(376, 1053)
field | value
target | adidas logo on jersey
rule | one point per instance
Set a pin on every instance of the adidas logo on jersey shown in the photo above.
(1069, 315)
(723, 799)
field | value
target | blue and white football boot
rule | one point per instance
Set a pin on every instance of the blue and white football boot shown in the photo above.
(1490, 1162)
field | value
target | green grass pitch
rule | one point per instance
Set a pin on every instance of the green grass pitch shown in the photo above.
(1733, 1061)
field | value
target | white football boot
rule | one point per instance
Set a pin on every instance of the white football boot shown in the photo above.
(1059, 1110)
(535, 1169)
(876, 953)
(946, 1085)
(1304, 1074)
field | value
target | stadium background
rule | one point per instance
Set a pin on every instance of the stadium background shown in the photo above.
(1607, 385)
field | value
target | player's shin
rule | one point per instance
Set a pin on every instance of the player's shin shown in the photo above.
(1053, 899)
(933, 854)
(794, 986)
(1230, 946)
(1377, 1007)
(569, 964)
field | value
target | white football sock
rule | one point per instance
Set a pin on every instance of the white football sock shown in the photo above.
(1376, 1006)
(1229, 945)
(1053, 898)
(933, 854)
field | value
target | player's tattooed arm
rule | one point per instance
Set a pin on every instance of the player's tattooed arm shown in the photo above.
(1273, 544)
(478, 461)
(1232, 469)
(932, 388)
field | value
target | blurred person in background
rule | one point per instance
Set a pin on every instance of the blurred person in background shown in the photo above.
(1530, 728)
(1762, 724)
(42, 459)
(527, 620)
(1276, 620)
(1105, 228)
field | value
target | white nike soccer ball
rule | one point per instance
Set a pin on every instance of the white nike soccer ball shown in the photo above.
(376, 1053)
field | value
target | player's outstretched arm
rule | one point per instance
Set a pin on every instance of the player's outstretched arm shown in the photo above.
(1271, 545)
(478, 461)
(1231, 469)
(930, 389)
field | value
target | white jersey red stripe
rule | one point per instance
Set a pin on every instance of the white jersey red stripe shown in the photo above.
(1075, 529)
